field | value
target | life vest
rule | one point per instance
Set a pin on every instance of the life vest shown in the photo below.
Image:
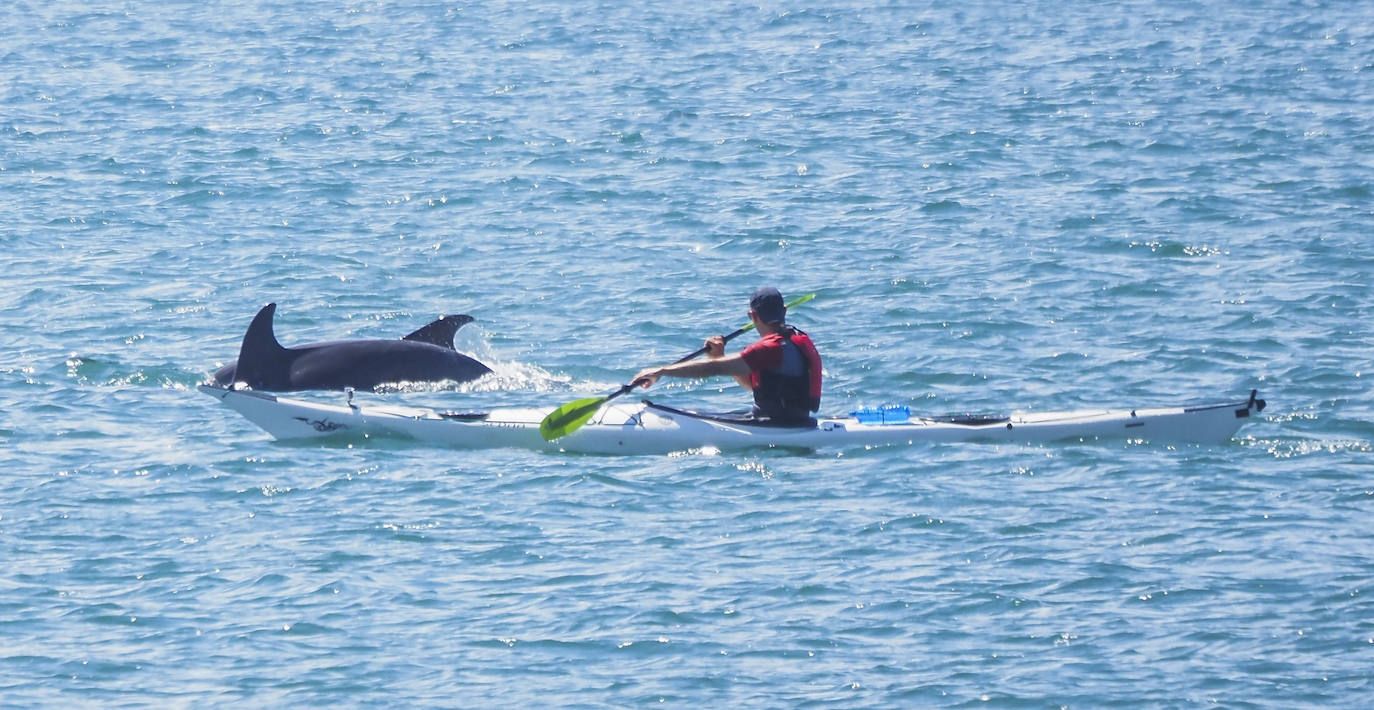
(793, 389)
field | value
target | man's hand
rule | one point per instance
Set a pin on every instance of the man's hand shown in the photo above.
(647, 378)
(715, 346)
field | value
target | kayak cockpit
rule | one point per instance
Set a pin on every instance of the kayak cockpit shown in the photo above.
(746, 419)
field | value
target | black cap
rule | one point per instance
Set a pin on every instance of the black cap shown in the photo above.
(767, 302)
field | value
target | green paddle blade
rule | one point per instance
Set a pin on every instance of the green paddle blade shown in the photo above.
(800, 300)
(569, 417)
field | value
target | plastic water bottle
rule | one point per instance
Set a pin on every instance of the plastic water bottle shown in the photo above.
(885, 414)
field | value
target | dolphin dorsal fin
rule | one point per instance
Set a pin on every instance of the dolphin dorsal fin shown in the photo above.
(260, 355)
(441, 331)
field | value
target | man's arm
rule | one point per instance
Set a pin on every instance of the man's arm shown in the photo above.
(732, 365)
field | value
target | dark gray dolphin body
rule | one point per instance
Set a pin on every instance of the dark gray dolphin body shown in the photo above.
(427, 355)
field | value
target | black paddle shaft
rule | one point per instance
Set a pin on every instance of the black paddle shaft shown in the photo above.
(696, 353)
(702, 350)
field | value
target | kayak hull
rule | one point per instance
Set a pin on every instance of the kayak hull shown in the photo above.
(645, 428)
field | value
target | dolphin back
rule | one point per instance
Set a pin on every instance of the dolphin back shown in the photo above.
(369, 364)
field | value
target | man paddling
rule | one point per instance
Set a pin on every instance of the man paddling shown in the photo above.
(782, 368)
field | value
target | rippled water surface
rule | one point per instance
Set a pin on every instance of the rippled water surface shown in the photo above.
(999, 206)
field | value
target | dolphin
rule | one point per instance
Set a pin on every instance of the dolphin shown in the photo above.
(427, 355)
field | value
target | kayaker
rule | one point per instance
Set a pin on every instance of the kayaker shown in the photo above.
(782, 368)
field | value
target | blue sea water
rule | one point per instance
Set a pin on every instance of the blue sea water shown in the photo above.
(1000, 205)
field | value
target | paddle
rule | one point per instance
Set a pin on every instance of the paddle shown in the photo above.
(571, 416)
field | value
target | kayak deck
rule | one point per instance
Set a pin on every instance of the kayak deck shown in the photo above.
(646, 428)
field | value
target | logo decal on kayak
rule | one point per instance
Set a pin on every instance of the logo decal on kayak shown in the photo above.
(322, 425)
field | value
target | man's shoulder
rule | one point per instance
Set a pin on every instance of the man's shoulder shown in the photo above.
(771, 340)
(763, 353)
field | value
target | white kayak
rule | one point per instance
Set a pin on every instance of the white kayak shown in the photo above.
(647, 428)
